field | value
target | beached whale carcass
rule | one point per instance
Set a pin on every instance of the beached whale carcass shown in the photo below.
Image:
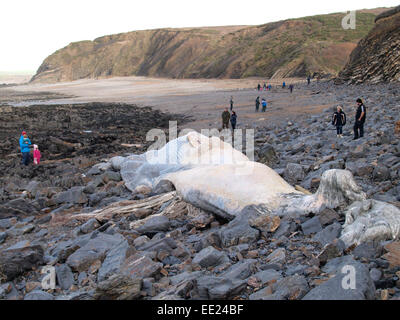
(214, 176)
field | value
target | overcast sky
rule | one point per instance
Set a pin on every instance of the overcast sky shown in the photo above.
(33, 29)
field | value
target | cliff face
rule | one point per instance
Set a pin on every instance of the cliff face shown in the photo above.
(377, 56)
(282, 49)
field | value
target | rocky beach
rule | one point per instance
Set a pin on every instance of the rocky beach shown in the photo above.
(74, 212)
(105, 216)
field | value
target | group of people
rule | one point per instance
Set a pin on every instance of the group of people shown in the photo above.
(263, 104)
(265, 87)
(229, 117)
(26, 146)
(339, 120)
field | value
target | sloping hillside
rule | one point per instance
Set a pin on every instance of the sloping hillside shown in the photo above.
(287, 48)
(377, 57)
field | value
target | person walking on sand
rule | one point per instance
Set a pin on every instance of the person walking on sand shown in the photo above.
(291, 87)
(264, 105)
(308, 80)
(265, 86)
(24, 144)
(283, 85)
(257, 104)
(36, 154)
(259, 87)
(361, 114)
(231, 102)
(233, 120)
(339, 120)
(226, 116)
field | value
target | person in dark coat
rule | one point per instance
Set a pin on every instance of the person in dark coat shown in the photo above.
(231, 102)
(339, 120)
(233, 120)
(361, 114)
(226, 116)
(259, 87)
(257, 104)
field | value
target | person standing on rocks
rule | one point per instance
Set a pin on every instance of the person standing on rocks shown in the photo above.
(264, 105)
(339, 120)
(233, 120)
(257, 104)
(231, 102)
(25, 144)
(226, 116)
(360, 120)
(36, 154)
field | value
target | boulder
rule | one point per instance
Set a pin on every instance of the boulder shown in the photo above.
(311, 226)
(210, 257)
(75, 195)
(341, 286)
(65, 277)
(114, 261)
(21, 257)
(118, 287)
(94, 249)
(140, 266)
(39, 295)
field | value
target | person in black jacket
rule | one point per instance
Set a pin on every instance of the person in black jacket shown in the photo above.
(257, 104)
(233, 120)
(339, 120)
(360, 120)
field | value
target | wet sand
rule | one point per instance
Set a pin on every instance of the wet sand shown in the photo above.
(204, 100)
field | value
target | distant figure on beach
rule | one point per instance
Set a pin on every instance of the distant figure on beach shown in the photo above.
(36, 154)
(339, 120)
(231, 102)
(265, 87)
(225, 119)
(360, 120)
(269, 87)
(259, 87)
(291, 87)
(284, 85)
(257, 104)
(308, 80)
(24, 144)
(233, 120)
(264, 105)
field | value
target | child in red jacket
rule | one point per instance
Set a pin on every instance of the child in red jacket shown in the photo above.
(36, 154)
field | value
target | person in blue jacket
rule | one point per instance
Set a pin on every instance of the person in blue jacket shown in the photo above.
(264, 105)
(25, 144)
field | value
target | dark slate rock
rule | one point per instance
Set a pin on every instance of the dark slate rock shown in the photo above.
(328, 234)
(311, 226)
(114, 260)
(333, 288)
(210, 257)
(38, 295)
(65, 277)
